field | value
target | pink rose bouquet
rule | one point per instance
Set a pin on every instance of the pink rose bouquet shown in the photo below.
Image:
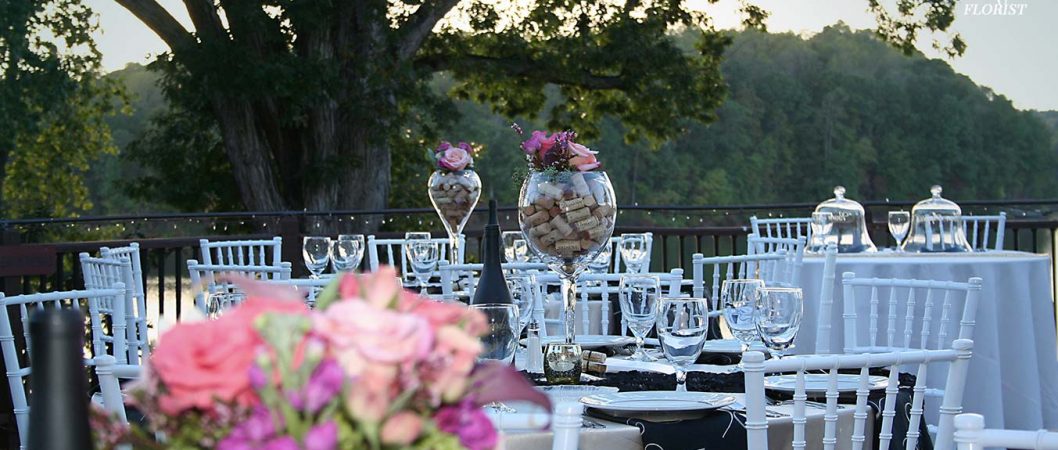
(373, 366)
(453, 158)
(557, 151)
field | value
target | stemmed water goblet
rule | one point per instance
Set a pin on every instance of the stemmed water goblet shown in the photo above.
(778, 317)
(422, 253)
(633, 247)
(899, 224)
(638, 295)
(522, 288)
(600, 264)
(682, 325)
(500, 340)
(347, 253)
(510, 245)
(738, 298)
(316, 251)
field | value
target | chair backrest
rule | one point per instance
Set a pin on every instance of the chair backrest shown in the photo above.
(205, 278)
(826, 299)
(980, 229)
(958, 357)
(264, 252)
(451, 276)
(310, 287)
(604, 285)
(106, 273)
(132, 252)
(390, 251)
(783, 227)
(101, 303)
(565, 424)
(766, 266)
(971, 434)
(914, 313)
(794, 248)
(618, 265)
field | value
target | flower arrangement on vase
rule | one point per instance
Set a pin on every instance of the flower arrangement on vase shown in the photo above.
(372, 367)
(454, 188)
(566, 208)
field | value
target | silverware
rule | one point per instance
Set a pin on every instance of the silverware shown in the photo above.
(590, 423)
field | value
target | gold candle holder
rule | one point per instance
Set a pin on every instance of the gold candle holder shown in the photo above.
(562, 363)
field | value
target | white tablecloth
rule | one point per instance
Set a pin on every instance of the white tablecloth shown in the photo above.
(1013, 376)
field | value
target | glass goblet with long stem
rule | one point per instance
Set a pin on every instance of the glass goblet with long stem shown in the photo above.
(316, 251)
(422, 253)
(347, 253)
(682, 325)
(638, 300)
(633, 247)
(778, 317)
(899, 224)
(738, 298)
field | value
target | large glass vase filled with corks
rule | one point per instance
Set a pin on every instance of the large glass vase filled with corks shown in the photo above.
(566, 210)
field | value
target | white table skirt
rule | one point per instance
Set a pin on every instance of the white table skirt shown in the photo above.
(619, 436)
(1013, 375)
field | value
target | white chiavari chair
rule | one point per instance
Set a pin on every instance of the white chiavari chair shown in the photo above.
(957, 357)
(565, 424)
(391, 251)
(310, 288)
(263, 252)
(783, 227)
(826, 299)
(206, 279)
(794, 248)
(971, 434)
(604, 286)
(765, 266)
(981, 229)
(618, 264)
(106, 273)
(103, 305)
(452, 276)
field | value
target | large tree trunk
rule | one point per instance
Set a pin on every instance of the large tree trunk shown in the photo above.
(250, 155)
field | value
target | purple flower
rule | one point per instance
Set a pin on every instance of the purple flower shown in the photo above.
(465, 146)
(281, 443)
(258, 377)
(469, 423)
(253, 431)
(322, 437)
(324, 384)
(445, 145)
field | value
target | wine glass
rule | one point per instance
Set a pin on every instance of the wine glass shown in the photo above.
(220, 301)
(682, 324)
(523, 294)
(899, 224)
(521, 251)
(499, 341)
(778, 317)
(316, 250)
(347, 252)
(509, 238)
(601, 263)
(738, 297)
(638, 299)
(422, 253)
(633, 251)
(822, 224)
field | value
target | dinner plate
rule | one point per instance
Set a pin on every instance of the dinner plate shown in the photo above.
(573, 393)
(657, 401)
(816, 383)
(729, 346)
(589, 341)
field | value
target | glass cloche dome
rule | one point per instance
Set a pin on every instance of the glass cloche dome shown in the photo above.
(849, 228)
(936, 226)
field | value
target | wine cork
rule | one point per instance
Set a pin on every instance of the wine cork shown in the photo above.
(587, 224)
(588, 244)
(591, 356)
(589, 201)
(528, 210)
(538, 218)
(550, 190)
(551, 238)
(602, 211)
(567, 246)
(554, 211)
(442, 200)
(578, 215)
(579, 185)
(545, 203)
(595, 368)
(599, 192)
(571, 204)
(561, 225)
(541, 229)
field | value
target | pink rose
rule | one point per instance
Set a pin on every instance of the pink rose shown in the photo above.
(469, 423)
(402, 429)
(538, 144)
(201, 363)
(455, 159)
(362, 335)
(373, 391)
(379, 288)
(456, 353)
(583, 158)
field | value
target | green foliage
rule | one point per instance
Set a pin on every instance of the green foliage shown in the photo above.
(52, 106)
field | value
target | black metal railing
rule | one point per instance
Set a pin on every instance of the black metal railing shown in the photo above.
(42, 254)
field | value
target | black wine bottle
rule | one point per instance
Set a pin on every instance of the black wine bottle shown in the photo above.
(492, 286)
(60, 396)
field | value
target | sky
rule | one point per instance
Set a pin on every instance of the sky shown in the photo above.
(1014, 54)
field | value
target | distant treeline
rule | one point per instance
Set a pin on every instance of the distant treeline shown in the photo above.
(801, 116)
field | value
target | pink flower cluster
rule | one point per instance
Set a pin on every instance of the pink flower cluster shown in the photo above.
(454, 157)
(374, 358)
(558, 151)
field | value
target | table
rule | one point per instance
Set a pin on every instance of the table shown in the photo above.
(1013, 375)
(618, 436)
